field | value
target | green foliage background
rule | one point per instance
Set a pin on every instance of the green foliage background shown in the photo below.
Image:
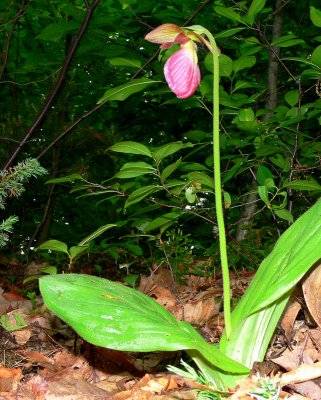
(270, 138)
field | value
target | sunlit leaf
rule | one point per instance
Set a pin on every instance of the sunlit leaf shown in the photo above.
(109, 314)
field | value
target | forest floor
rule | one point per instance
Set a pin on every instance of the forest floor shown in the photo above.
(42, 358)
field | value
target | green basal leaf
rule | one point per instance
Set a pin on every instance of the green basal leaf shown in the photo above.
(54, 245)
(255, 317)
(131, 148)
(122, 92)
(303, 185)
(133, 169)
(112, 315)
(140, 194)
(95, 234)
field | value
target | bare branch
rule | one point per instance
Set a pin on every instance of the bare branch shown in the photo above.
(43, 113)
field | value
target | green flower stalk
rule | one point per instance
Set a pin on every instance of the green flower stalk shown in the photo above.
(183, 77)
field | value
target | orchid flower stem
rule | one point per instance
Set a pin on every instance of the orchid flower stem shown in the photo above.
(218, 186)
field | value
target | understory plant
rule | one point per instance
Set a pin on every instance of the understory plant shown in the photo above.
(12, 181)
(111, 315)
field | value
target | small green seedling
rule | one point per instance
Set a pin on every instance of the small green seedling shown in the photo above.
(8, 326)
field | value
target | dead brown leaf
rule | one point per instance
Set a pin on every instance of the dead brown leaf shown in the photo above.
(289, 316)
(312, 293)
(9, 379)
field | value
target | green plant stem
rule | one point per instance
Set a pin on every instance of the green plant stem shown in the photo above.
(218, 185)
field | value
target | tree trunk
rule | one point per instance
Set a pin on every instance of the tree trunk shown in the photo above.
(250, 206)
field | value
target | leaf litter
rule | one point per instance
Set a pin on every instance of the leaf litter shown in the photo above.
(42, 358)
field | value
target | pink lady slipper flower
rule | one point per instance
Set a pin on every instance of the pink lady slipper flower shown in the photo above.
(181, 70)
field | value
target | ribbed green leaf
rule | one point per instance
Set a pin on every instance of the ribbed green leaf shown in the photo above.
(112, 315)
(255, 317)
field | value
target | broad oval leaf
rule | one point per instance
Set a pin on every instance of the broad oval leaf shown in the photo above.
(122, 92)
(109, 314)
(54, 245)
(131, 148)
